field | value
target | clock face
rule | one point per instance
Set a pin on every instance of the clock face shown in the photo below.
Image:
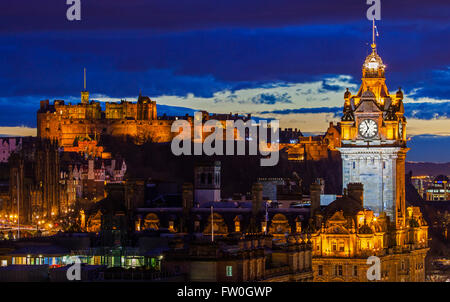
(368, 128)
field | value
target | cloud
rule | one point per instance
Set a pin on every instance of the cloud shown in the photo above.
(336, 111)
(271, 99)
(18, 131)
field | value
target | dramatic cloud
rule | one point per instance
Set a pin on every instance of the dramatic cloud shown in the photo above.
(286, 59)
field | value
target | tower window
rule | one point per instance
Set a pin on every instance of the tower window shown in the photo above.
(354, 165)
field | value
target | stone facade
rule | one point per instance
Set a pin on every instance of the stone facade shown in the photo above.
(371, 218)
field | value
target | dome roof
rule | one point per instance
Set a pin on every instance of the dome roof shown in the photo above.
(373, 65)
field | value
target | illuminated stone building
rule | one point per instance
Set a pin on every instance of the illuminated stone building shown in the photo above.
(86, 177)
(34, 182)
(70, 124)
(371, 219)
(67, 122)
(345, 234)
(301, 148)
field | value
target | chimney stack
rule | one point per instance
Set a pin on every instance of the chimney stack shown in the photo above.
(257, 191)
(314, 191)
(187, 196)
(356, 191)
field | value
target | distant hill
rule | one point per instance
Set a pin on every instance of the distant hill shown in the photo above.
(434, 169)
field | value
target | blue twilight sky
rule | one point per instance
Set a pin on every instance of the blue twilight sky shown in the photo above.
(285, 59)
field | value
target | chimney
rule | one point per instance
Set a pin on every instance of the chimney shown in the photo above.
(314, 191)
(188, 196)
(256, 197)
(356, 191)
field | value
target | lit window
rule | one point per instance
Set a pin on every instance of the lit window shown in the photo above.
(237, 226)
(229, 271)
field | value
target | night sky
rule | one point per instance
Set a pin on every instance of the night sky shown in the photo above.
(285, 59)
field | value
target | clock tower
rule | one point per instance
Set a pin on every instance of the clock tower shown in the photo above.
(373, 139)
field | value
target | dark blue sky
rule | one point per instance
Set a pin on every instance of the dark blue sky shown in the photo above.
(192, 53)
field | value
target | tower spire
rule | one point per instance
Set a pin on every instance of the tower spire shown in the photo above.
(374, 45)
(84, 79)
